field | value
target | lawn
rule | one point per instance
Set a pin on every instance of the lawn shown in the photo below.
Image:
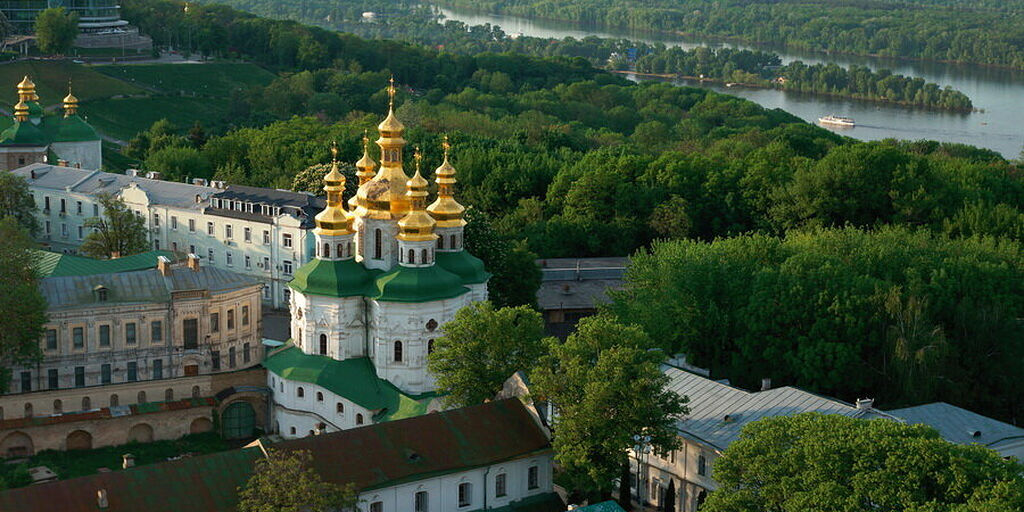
(71, 464)
(123, 118)
(51, 79)
(215, 79)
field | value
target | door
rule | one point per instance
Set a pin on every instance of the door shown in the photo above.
(239, 421)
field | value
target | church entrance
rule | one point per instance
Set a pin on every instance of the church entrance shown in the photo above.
(239, 420)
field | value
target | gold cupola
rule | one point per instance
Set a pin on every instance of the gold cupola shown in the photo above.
(334, 220)
(445, 209)
(21, 112)
(383, 196)
(70, 103)
(418, 225)
(27, 90)
(365, 170)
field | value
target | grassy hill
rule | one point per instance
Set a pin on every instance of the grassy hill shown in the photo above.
(217, 79)
(51, 79)
(123, 118)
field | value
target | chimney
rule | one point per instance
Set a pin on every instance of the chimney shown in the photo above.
(128, 461)
(865, 403)
(199, 181)
(101, 499)
(766, 384)
(193, 262)
(78, 165)
(62, 163)
(153, 175)
(163, 265)
(115, 255)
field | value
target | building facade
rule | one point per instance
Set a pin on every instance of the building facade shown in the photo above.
(260, 233)
(386, 275)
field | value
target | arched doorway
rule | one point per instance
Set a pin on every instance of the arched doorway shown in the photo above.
(141, 433)
(239, 420)
(200, 425)
(79, 440)
(16, 444)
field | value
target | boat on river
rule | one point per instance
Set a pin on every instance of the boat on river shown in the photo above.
(846, 122)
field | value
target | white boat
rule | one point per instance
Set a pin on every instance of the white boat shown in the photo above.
(837, 121)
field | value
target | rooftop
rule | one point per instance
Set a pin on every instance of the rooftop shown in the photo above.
(961, 426)
(52, 264)
(300, 204)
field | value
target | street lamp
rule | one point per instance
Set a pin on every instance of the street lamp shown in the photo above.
(642, 449)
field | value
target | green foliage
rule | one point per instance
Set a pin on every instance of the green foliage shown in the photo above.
(21, 325)
(119, 231)
(285, 481)
(607, 387)
(177, 163)
(56, 30)
(835, 463)
(481, 348)
(896, 314)
(16, 202)
(515, 276)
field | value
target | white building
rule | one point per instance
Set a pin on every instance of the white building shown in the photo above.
(366, 310)
(257, 232)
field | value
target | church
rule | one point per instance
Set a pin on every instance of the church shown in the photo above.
(389, 271)
(36, 136)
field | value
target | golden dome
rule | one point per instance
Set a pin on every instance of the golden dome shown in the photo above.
(366, 167)
(418, 225)
(21, 111)
(445, 209)
(26, 84)
(383, 196)
(70, 104)
(334, 220)
(391, 126)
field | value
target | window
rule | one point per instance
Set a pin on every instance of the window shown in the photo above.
(46, 203)
(500, 490)
(79, 376)
(248, 262)
(422, 502)
(101, 294)
(215, 355)
(209, 228)
(191, 225)
(28, 410)
(141, 397)
(174, 223)
(440, 242)
(133, 371)
(156, 245)
(326, 253)
(398, 351)
(214, 322)
(63, 205)
(26, 382)
(292, 430)
(192, 249)
(287, 267)
(266, 267)
(168, 395)
(301, 393)
(104, 335)
(105, 374)
(245, 315)
(78, 337)
(129, 333)
(95, 210)
(190, 330)
(86, 403)
(231, 357)
(52, 380)
(209, 255)
(158, 368)
(81, 232)
(453, 246)
(340, 408)
(156, 331)
(319, 396)
(412, 256)
(114, 400)
(51, 339)
(266, 237)
(702, 465)
(532, 477)
(196, 392)
(286, 240)
(423, 257)
(464, 494)
(247, 232)
(229, 231)
(231, 319)
(229, 259)
(245, 353)
(430, 347)
(377, 241)
(174, 246)
(377, 506)
(64, 230)
(156, 219)
(47, 226)
(359, 419)
(78, 207)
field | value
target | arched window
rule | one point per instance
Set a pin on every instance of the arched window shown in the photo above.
(58, 407)
(323, 344)
(319, 396)
(431, 324)
(300, 392)
(412, 257)
(359, 419)
(398, 351)
(440, 242)
(169, 395)
(292, 430)
(702, 465)
(340, 251)
(377, 240)
(327, 250)
(86, 404)
(28, 410)
(423, 257)
(341, 408)
(195, 392)
(142, 397)
(114, 400)
(430, 346)
(454, 245)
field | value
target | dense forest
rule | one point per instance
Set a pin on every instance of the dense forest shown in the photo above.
(977, 31)
(757, 235)
(417, 24)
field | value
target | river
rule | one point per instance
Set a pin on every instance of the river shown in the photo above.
(997, 93)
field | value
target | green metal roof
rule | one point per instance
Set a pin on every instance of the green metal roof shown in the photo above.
(23, 134)
(418, 284)
(604, 506)
(354, 379)
(345, 278)
(72, 129)
(463, 264)
(51, 264)
(549, 502)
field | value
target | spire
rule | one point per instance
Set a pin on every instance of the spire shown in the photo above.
(365, 167)
(445, 209)
(418, 225)
(70, 102)
(383, 196)
(391, 126)
(334, 220)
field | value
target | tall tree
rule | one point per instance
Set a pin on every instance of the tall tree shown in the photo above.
(56, 30)
(119, 232)
(284, 481)
(23, 306)
(482, 347)
(16, 202)
(516, 275)
(835, 463)
(606, 383)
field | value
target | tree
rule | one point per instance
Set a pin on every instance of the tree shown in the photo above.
(284, 481)
(836, 463)
(119, 232)
(16, 202)
(516, 277)
(176, 163)
(24, 307)
(607, 386)
(56, 30)
(482, 347)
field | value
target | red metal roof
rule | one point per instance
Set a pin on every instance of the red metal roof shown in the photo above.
(104, 413)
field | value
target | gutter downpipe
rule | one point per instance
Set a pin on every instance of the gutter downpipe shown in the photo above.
(488, 471)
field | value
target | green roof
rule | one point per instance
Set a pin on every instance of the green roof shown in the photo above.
(345, 278)
(23, 134)
(354, 379)
(72, 129)
(469, 268)
(418, 284)
(549, 502)
(604, 506)
(51, 264)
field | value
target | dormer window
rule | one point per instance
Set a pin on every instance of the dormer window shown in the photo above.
(101, 293)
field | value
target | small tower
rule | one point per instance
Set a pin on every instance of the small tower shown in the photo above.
(445, 209)
(70, 103)
(334, 231)
(366, 169)
(416, 236)
(27, 95)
